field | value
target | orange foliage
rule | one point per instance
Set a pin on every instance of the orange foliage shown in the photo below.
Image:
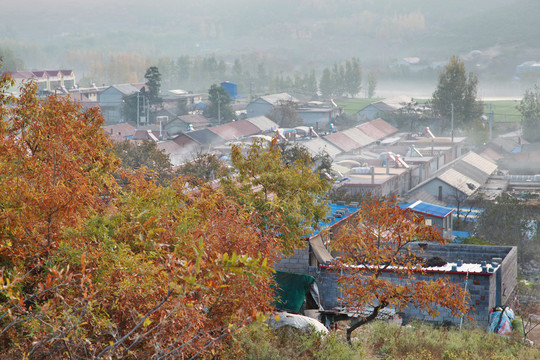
(88, 271)
(378, 242)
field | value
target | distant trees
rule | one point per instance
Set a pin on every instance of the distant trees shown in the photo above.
(509, 221)
(377, 242)
(326, 85)
(371, 84)
(458, 91)
(8, 61)
(529, 107)
(342, 80)
(353, 77)
(220, 104)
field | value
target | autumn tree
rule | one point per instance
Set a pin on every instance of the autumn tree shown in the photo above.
(378, 242)
(529, 107)
(55, 171)
(320, 162)
(156, 276)
(202, 168)
(287, 196)
(146, 272)
(456, 91)
(146, 155)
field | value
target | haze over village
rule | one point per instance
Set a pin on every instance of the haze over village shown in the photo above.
(269, 179)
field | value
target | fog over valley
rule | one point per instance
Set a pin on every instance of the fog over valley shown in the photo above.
(405, 43)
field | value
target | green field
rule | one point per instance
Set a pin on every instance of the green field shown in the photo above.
(353, 105)
(503, 110)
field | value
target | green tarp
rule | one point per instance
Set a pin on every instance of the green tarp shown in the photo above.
(291, 290)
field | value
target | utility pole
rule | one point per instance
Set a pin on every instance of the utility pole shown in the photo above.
(147, 110)
(490, 122)
(219, 108)
(138, 109)
(452, 121)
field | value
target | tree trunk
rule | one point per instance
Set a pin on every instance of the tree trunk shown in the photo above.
(365, 320)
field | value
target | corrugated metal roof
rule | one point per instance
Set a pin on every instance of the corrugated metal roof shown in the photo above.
(371, 130)
(341, 140)
(336, 213)
(459, 181)
(235, 130)
(491, 154)
(359, 136)
(429, 209)
(479, 162)
(383, 126)
(274, 99)
(466, 173)
(263, 123)
(317, 145)
(194, 119)
(381, 105)
(123, 129)
(205, 137)
(125, 89)
(471, 171)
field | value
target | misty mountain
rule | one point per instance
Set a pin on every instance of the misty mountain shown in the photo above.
(300, 33)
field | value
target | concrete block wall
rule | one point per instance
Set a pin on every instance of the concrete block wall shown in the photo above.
(509, 278)
(486, 290)
(297, 263)
(481, 288)
(506, 274)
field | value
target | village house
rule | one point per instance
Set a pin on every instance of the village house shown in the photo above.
(488, 273)
(111, 101)
(47, 81)
(458, 180)
(265, 104)
(184, 123)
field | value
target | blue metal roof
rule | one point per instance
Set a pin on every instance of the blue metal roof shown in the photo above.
(428, 209)
(336, 213)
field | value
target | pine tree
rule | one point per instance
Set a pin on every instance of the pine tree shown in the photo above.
(456, 88)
